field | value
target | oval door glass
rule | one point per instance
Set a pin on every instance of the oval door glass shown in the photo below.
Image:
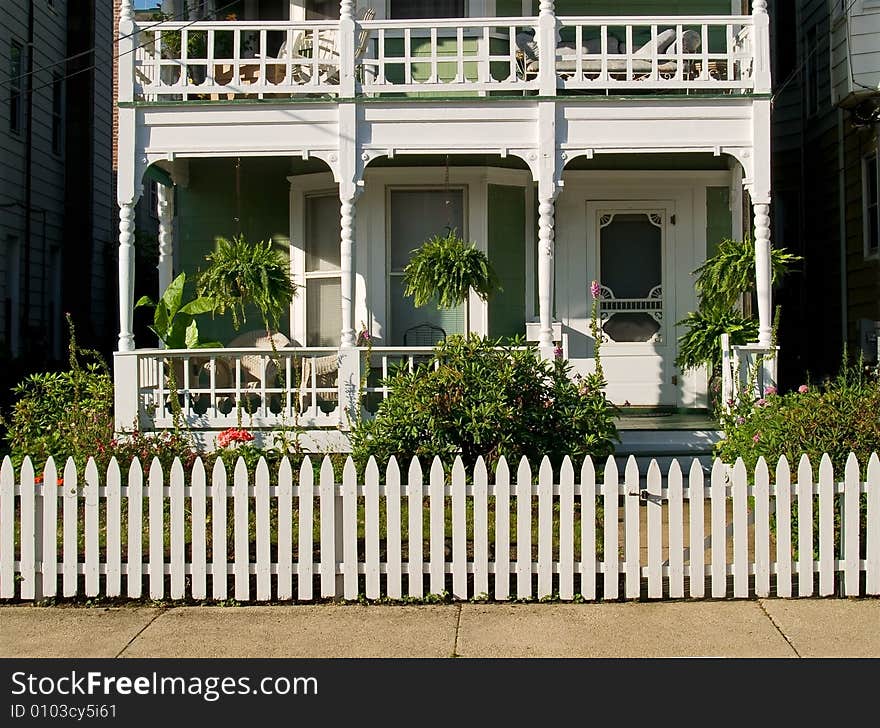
(631, 276)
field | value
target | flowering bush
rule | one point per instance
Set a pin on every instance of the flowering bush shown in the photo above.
(233, 436)
(838, 418)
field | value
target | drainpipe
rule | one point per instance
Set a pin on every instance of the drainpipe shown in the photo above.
(841, 202)
(24, 315)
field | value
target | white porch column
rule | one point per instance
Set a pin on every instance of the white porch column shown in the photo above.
(546, 246)
(761, 45)
(547, 30)
(126, 276)
(166, 237)
(348, 195)
(347, 33)
(763, 286)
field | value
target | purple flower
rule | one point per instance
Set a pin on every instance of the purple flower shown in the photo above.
(740, 420)
(557, 352)
(756, 437)
(803, 389)
(595, 289)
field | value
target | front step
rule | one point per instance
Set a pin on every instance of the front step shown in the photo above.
(664, 446)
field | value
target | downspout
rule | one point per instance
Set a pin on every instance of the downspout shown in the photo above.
(841, 202)
(24, 315)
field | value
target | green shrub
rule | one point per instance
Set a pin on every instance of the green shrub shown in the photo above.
(62, 414)
(838, 417)
(483, 400)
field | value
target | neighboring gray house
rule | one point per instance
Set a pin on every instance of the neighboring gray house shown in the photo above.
(57, 217)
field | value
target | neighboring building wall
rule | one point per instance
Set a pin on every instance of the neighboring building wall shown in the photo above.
(806, 209)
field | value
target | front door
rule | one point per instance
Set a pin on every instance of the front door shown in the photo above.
(632, 244)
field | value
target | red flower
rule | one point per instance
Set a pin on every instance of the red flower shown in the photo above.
(233, 435)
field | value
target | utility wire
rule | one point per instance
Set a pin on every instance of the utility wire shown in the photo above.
(175, 19)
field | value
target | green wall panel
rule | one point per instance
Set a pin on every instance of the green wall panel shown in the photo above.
(507, 253)
(207, 208)
(718, 217)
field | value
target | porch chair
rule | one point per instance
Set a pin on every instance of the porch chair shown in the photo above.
(425, 334)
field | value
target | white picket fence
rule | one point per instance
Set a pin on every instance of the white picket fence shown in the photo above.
(485, 536)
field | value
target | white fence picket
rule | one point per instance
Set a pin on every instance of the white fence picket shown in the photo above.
(219, 547)
(50, 529)
(96, 513)
(481, 529)
(566, 530)
(783, 528)
(27, 568)
(7, 530)
(305, 566)
(697, 531)
(632, 529)
(654, 506)
(415, 531)
(134, 579)
(178, 577)
(263, 532)
(805, 527)
(502, 530)
(718, 500)
(588, 529)
(675, 494)
(872, 537)
(610, 556)
(91, 504)
(545, 529)
(198, 519)
(240, 532)
(393, 550)
(156, 564)
(327, 493)
(740, 531)
(437, 528)
(114, 533)
(459, 531)
(826, 527)
(349, 525)
(851, 527)
(523, 530)
(284, 545)
(371, 528)
(762, 529)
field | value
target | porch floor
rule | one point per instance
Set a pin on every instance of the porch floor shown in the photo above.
(666, 421)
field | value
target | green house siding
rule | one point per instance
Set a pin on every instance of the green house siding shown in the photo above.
(207, 209)
(719, 223)
(507, 253)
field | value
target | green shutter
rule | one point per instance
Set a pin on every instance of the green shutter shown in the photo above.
(507, 253)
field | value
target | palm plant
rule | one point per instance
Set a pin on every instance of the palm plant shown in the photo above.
(241, 272)
(446, 268)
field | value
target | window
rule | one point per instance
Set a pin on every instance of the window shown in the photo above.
(427, 9)
(15, 87)
(414, 216)
(57, 113)
(871, 204)
(322, 10)
(323, 277)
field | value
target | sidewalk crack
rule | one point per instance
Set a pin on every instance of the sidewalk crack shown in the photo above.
(141, 631)
(457, 628)
(778, 628)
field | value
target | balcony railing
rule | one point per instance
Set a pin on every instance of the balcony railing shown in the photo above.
(232, 60)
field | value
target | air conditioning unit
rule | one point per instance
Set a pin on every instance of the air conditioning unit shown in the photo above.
(869, 340)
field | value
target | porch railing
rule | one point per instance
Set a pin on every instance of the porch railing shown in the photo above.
(213, 389)
(747, 370)
(222, 60)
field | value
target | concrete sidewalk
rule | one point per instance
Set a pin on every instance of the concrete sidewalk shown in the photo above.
(762, 628)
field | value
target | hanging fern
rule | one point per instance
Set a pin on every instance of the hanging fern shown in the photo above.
(699, 345)
(446, 268)
(731, 271)
(240, 273)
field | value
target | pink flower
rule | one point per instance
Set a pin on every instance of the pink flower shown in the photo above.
(769, 391)
(557, 352)
(756, 437)
(803, 389)
(761, 402)
(740, 420)
(595, 289)
(233, 435)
